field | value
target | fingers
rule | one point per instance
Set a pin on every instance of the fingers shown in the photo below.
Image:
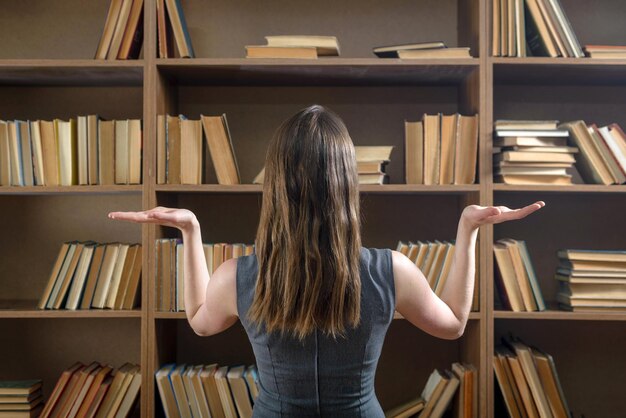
(131, 217)
(515, 214)
(163, 216)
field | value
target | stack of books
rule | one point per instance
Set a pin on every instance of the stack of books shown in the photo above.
(421, 50)
(532, 152)
(207, 390)
(21, 398)
(434, 259)
(528, 381)
(516, 282)
(606, 51)
(122, 37)
(441, 149)
(95, 390)
(180, 150)
(171, 26)
(85, 150)
(532, 27)
(170, 279)
(295, 46)
(460, 384)
(371, 162)
(592, 280)
(602, 158)
(92, 275)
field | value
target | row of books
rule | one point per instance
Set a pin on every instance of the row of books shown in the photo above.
(532, 152)
(21, 398)
(528, 381)
(180, 150)
(434, 259)
(456, 389)
(170, 279)
(88, 275)
(532, 27)
(539, 152)
(518, 288)
(591, 280)
(94, 391)
(602, 157)
(81, 151)
(371, 164)
(441, 149)
(201, 391)
(122, 36)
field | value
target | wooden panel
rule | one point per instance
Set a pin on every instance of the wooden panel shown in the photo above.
(71, 72)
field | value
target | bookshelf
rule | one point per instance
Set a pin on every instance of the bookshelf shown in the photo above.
(46, 71)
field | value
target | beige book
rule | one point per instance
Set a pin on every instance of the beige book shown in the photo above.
(266, 51)
(221, 149)
(209, 385)
(189, 391)
(449, 126)
(191, 151)
(589, 163)
(445, 270)
(433, 270)
(504, 28)
(121, 150)
(435, 386)
(506, 387)
(562, 180)
(131, 294)
(176, 376)
(551, 384)
(173, 140)
(218, 255)
(462, 52)
(67, 261)
(373, 152)
(134, 151)
(81, 143)
(80, 277)
(92, 278)
(422, 252)
(414, 150)
(522, 386)
(198, 390)
(446, 396)
(35, 136)
(529, 141)
(208, 255)
(166, 391)
(523, 280)
(92, 149)
(106, 152)
(5, 156)
(120, 27)
(180, 278)
(495, 28)
(105, 276)
(161, 149)
(224, 391)
(432, 148)
(87, 376)
(130, 395)
(547, 40)
(14, 149)
(67, 278)
(116, 277)
(56, 269)
(325, 45)
(109, 29)
(407, 409)
(66, 136)
(527, 363)
(511, 291)
(127, 272)
(239, 390)
(466, 152)
(119, 383)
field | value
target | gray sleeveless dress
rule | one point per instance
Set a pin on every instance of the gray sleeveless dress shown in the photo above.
(322, 377)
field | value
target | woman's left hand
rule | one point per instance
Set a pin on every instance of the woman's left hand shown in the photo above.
(475, 215)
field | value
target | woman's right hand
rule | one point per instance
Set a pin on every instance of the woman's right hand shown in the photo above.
(182, 219)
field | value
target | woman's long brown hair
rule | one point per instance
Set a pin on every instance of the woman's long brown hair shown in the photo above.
(308, 241)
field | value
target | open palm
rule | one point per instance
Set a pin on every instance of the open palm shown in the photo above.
(172, 217)
(477, 215)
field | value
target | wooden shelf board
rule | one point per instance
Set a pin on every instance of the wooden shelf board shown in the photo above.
(69, 190)
(182, 315)
(574, 188)
(71, 72)
(28, 309)
(323, 71)
(559, 71)
(562, 315)
(368, 189)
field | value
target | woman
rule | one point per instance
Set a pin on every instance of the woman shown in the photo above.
(315, 304)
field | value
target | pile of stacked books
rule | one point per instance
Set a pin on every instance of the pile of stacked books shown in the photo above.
(294, 46)
(532, 152)
(528, 381)
(371, 162)
(21, 398)
(439, 393)
(207, 390)
(592, 280)
(421, 50)
(516, 282)
(605, 51)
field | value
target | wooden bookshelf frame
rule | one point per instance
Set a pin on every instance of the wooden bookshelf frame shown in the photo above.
(476, 81)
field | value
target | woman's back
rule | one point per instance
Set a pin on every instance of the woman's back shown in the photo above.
(322, 376)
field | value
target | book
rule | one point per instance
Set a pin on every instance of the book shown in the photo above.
(173, 146)
(240, 392)
(221, 149)
(414, 150)
(120, 27)
(179, 28)
(106, 152)
(391, 51)
(132, 40)
(435, 386)
(506, 281)
(109, 28)
(166, 390)
(449, 127)
(432, 148)
(450, 53)
(191, 151)
(324, 45)
(5, 155)
(407, 409)
(266, 51)
(466, 153)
